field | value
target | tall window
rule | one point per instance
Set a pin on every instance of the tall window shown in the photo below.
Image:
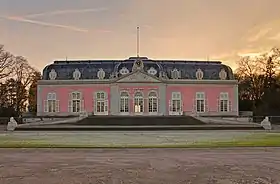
(153, 102)
(224, 102)
(200, 102)
(138, 102)
(101, 102)
(51, 104)
(75, 102)
(124, 102)
(176, 102)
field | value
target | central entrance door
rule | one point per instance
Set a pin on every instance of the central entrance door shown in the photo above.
(138, 103)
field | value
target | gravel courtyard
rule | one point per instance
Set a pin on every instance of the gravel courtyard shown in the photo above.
(152, 166)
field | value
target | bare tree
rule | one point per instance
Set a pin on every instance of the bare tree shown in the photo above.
(23, 74)
(32, 96)
(258, 76)
(250, 70)
(6, 63)
(23, 71)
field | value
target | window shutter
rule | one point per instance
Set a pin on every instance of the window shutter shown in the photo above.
(218, 105)
(70, 108)
(158, 103)
(169, 105)
(82, 109)
(229, 106)
(146, 105)
(194, 106)
(106, 105)
(82, 102)
(93, 103)
(206, 105)
(57, 106)
(45, 105)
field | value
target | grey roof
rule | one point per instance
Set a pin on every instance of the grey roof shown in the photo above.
(89, 68)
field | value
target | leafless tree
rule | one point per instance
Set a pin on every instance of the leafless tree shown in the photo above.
(256, 74)
(6, 63)
(23, 71)
(23, 75)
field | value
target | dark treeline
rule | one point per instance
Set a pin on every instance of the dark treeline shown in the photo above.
(259, 84)
(18, 83)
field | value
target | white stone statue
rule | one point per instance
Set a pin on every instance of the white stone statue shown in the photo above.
(12, 124)
(266, 123)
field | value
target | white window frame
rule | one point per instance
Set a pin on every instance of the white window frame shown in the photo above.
(75, 102)
(175, 104)
(224, 102)
(200, 102)
(124, 103)
(51, 105)
(152, 103)
(138, 101)
(101, 103)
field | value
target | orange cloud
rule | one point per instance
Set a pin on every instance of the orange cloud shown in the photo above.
(60, 12)
(21, 19)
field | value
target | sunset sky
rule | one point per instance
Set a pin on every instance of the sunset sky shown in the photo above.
(45, 30)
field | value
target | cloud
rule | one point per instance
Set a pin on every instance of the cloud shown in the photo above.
(61, 12)
(21, 19)
(275, 37)
(259, 35)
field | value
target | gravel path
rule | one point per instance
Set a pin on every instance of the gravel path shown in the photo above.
(152, 166)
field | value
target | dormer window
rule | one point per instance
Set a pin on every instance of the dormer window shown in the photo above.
(152, 71)
(175, 74)
(223, 74)
(199, 74)
(124, 71)
(52, 74)
(76, 74)
(101, 74)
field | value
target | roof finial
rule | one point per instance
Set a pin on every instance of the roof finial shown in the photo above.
(138, 41)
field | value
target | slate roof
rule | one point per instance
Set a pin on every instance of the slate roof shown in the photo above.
(89, 68)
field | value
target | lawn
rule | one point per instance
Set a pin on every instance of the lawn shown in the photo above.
(259, 139)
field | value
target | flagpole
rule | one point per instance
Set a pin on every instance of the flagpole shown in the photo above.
(138, 41)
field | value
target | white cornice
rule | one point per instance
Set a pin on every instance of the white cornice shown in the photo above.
(113, 81)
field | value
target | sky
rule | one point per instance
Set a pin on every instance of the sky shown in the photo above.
(47, 30)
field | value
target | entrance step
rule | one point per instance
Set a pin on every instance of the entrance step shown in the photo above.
(137, 128)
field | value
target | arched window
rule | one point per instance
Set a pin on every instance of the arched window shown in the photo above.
(138, 102)
(51, 104)
(76, 103)
(153, 102)
(101, 103)
(124, 104)
(176, 103)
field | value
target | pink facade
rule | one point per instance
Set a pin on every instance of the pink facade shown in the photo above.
(188, 97)
(137, 87)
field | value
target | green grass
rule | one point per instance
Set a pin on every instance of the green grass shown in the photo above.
(254, 140)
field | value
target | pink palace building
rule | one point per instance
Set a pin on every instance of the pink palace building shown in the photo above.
(137, 86)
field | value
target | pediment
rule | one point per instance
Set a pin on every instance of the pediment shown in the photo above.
(138, 76)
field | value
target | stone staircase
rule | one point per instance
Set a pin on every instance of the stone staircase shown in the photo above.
(136, 123)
